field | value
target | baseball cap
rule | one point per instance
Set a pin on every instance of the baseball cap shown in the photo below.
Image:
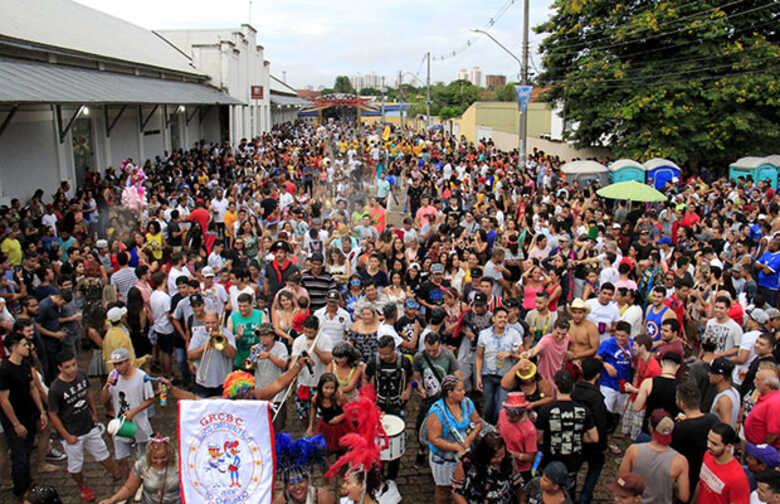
(333, 296)
(764, 453)
(627, 485)
(557, 473)
(663, 425)
(411, 303)
(116, 313)
(615, 225)
(437, 268)
(721, 366)
(207, 271)
(480, 299)
(664, 241)
(101, 244)
(119, 355)
(773, 313)
(759, 315)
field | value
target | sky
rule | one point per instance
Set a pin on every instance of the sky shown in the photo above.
(313, 41)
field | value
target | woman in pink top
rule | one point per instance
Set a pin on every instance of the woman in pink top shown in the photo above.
(551, 350)
(533, 281)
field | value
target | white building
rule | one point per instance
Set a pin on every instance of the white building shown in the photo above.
(285, 102)
(234, 61)
(475, 76)
(80, 89)
(463, 74)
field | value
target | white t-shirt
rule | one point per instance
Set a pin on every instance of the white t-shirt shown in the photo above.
(128, 394)
(388, 330)
(173, 275)
(334, 327)
(726, 336)
(747, 342)
(603, 314)
(300, 345)
(633, 315)
(160, 303)
(235, 292)
(218, 209)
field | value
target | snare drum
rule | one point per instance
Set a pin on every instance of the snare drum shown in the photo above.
(395, 428)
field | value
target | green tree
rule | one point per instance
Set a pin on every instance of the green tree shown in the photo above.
(691, 81)
(369, 91)
(342, 85)
(506, 93)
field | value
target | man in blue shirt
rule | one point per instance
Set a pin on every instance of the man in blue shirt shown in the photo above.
(382, 188)
(768, 266)
(616, 354)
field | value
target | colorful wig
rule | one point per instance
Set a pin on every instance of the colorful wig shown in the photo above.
(238, 385)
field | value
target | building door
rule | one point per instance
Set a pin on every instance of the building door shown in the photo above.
(83, 148)
(174, 127)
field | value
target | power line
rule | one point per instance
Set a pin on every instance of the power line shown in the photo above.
(640, 28)
(661, 34)
(490, 24)
(679, 61)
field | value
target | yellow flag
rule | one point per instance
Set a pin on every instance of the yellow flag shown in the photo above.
(386, 133)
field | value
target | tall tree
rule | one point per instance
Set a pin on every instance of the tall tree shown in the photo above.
(342, 85)
(691, 81)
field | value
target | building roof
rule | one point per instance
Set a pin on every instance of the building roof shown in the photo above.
(36, 82)
(278, 86)
(308, 93)
(280, 99)
(67, 25)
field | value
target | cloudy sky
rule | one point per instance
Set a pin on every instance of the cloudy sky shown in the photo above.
(315, 40)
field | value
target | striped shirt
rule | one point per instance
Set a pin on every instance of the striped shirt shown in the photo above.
(318, 287)
(123, 280)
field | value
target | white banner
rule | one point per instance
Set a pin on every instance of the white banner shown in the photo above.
(226, 452)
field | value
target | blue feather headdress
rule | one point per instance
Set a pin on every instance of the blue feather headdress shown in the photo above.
(299, 456)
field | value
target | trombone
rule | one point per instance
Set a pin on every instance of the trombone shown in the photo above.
(217, 342)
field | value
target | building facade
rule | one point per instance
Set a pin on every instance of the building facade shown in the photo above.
(81, 90)
(235, 63)
(475, 76)
(495, 81)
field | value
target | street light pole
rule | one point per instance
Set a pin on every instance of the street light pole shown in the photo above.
(428, 97)
(522, 129)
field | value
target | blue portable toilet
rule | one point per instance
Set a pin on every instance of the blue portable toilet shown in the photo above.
(586, 172)
(624, 170)
(660, 171)
(756, 167)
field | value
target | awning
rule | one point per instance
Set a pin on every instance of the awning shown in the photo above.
(36, 82)
(279, 99)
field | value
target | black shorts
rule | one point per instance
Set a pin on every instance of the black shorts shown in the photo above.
(165, 342)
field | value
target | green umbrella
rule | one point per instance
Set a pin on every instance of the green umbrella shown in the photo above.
(631, 190)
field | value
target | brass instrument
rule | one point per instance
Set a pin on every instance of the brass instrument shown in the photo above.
(217, 342)
(249, 362)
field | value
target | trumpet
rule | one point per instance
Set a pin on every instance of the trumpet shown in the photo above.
(249, 362)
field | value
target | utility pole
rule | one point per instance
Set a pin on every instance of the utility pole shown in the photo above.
(401, 96)
(523, 133)
(428, 97)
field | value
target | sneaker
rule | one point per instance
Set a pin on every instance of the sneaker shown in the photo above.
(87, 495)
(55, 455)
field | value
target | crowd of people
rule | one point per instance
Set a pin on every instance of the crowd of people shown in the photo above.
(526, 328)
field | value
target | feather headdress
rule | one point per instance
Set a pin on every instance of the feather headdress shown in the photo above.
(362, 446)
(300, 455)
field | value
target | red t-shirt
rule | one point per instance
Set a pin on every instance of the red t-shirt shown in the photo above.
(678, 307)
(201, 215)
(722, 483)
(520, 437)
(763, 419)
(651, 370)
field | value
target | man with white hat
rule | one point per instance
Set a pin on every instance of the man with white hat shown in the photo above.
(130, 397)
(214, 294)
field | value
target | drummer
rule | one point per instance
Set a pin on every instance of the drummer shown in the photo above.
(390, 373)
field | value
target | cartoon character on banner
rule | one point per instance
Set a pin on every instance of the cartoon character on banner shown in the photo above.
(134, 193)
(231, 450)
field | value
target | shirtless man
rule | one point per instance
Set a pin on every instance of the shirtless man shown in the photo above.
(584, 333)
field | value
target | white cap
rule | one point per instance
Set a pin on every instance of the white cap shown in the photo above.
(207, 271)
(116, 313)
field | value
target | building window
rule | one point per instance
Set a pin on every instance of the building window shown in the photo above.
(83, 147)
(175, 131)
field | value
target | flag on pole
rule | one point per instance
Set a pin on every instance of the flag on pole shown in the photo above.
(226, 452)
(386, 133)
(523, 95)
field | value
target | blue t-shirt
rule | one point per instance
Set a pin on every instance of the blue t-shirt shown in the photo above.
(770, 281)
(620, 358)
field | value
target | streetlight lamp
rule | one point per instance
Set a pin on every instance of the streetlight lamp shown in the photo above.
(522, 134)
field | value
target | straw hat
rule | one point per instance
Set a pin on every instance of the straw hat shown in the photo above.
(579, 304)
